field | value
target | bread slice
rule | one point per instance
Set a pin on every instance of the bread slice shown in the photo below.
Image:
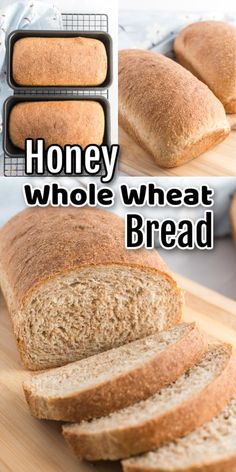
(211, 448)
(167, 110)
(208, 50)
(115, 379)
(73, 290)
(176, 410)
(233, 217)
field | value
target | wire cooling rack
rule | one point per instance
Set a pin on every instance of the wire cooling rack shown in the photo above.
(15, 167)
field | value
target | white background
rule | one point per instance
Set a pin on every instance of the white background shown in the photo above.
(186, 5)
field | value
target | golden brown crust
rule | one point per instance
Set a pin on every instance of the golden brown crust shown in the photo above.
(57, 122)
(182, 419)
(166, 109)
(124, 389)
(40, 243)
(60, 61)
(208, 50)
(225, 465)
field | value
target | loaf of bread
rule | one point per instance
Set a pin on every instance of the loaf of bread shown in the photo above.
(117, 378)
(211, 448)
(44, 61)
(208, 50)
(195, 398)
(80, 122)
(73, 290)
(167, 110)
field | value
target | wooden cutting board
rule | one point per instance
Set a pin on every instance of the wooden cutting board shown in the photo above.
(219, 161)
(27, 444)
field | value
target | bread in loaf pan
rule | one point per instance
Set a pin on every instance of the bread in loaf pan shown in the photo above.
(117, 378)
(61, 122)
(167, 110)
(73, 290)
(208, 50)
(49, 61)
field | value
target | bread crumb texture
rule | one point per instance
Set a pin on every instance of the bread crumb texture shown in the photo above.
(73, 290)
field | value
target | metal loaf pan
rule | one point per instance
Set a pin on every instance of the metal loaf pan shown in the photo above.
(18, 34)
(13, 151)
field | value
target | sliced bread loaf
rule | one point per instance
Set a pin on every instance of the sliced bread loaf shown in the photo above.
(176, 410)
(73, 290)
(211, 448)
(117, 378)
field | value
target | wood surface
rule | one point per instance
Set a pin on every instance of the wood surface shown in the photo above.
(27, 444)
(219, 161)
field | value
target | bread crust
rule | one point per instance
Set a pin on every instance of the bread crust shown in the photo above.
(74, 61)
(39, 244)
(124, 389)
(167, 110)
(225, 465)
(192, 413)
(80, 122)
(208, 50)
(72, 239)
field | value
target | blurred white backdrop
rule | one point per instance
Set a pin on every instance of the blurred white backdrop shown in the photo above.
(187, 5)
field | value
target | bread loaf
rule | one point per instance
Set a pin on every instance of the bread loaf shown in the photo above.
(167, 110)
(211, 448)
(115, 379)
(73, 290)
(208, 50)
(64, 122)
(192, 400)
(40, 61)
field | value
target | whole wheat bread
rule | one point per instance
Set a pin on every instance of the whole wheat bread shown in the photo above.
(64, 61)
(208, 50)
(167, 110)
(59, 122)
(117, 378)
(211, 448)
(176, 410)
(73, 290)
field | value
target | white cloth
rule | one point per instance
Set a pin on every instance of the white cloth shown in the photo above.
(26, 14)
(156, 29)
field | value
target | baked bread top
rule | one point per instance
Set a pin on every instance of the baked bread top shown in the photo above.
(166, 109)
(39, 243)
(208, 50)
(60, 122)
(40, 61)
